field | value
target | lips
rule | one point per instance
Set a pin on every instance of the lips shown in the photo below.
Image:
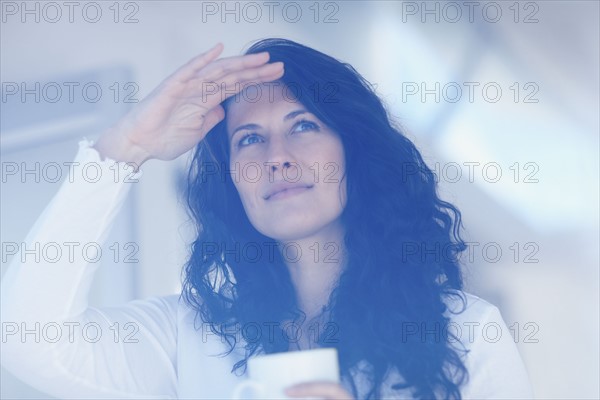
(283, 187)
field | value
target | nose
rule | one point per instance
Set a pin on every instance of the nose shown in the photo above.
(278, 158)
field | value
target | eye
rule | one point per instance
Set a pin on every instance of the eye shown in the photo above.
(251, 138)
(305, 125)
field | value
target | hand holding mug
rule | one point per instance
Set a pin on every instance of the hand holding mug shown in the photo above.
(309, 373)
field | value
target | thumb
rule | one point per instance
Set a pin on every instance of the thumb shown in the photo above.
(213, 117)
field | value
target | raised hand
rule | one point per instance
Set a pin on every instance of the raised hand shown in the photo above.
(184, 107)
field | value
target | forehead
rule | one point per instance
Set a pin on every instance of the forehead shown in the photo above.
(260, 104)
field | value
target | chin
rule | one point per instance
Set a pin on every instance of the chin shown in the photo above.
(289, 230)
(294, 233)
(293, 226)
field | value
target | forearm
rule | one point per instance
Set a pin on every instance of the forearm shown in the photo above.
(80, 214)
(45, 315)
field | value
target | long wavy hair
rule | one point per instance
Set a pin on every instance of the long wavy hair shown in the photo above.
(403, 243)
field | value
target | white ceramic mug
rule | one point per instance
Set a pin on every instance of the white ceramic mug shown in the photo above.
(271, 374)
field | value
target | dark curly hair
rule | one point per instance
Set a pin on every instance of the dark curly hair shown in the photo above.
(403, 242)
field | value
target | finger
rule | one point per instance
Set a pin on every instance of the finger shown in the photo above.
(189, 69)
(327, 390)
(213, 93)
(253, 75)
(236, 82)
(235, 88)
(224, 66)
(246, 74)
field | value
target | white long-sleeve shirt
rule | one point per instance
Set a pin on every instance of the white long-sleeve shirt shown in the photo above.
(55, 342)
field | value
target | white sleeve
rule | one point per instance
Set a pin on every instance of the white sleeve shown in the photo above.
(495, 367)
(51, 338)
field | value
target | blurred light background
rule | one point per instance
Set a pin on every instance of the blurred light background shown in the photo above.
(532, 117)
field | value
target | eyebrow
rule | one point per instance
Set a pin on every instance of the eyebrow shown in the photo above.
(289, 116)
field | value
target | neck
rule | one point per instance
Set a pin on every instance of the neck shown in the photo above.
(315, 264)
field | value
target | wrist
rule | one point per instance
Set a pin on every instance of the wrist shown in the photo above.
(119, 148)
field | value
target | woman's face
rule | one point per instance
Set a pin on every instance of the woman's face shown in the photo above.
(275, 144)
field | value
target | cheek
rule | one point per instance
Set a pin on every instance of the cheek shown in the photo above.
(331, 180)
(333, 164)
(248, 195)
(339, 178)
(243, 192)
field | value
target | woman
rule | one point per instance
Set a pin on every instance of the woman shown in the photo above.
(296, 159)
